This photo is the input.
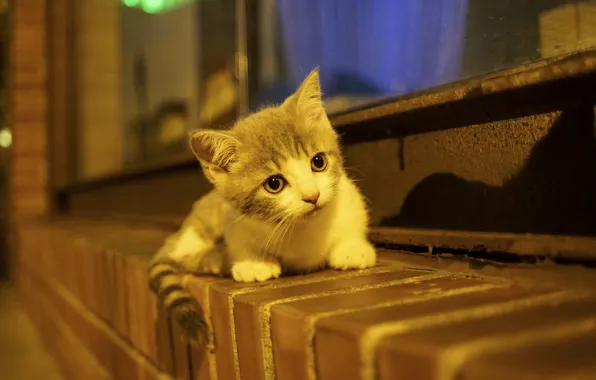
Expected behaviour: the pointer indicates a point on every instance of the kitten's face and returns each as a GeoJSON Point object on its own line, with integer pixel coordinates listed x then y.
{"type": "Point", "coordinates": [280, 163]}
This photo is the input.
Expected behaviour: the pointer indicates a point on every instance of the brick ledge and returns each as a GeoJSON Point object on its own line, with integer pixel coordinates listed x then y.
{"type": "Point", "coordinates": [398, 318]}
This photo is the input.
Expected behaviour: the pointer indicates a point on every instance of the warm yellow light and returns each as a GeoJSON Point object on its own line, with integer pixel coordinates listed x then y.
{"type": "Point", "coordinates": [5, 138]}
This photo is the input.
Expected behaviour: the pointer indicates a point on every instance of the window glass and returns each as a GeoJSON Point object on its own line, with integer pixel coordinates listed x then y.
{"type": "Point", "coordinates": [369, 51]}
{"type": "Point", "coordinates": [149, 71]}
{"type": "Point", "coordinates": [144, 69]}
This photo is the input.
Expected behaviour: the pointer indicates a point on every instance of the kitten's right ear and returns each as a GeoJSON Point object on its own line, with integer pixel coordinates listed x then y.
{"type": "Point", "coordinates": [216, 151]}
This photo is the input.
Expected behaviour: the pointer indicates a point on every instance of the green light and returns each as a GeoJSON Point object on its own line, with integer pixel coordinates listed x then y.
{"type": "Point", "coordinates": [154, 6]}
{"type": "Point", "coordinates": [131, 3]}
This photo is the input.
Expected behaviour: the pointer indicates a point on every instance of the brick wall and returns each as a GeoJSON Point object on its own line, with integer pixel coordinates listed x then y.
{"type": "Point", "coordinates": [28, 112]}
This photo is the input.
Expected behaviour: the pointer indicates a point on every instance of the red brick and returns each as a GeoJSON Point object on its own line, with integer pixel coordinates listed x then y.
{"type": "Point", "coordinates": [292, 322]}
{"type": "Point", "coordinates": [569, 355]}
{"type": "Point", "coordinates": [120, 309]}
{"type": "Point", "coordinates": [29, 204]}
{"type": "Point", "coordinates": [65, 264]}
{"type": "Point", "coordinates": [222, 310]}
{"type": "Point", "coordinates": [103, 286]}
{"type": "Point", "coordinates": [347, 331]}
{"type": "Point", "coordinates": [29, 105]}
{"type": "Point", "coordinates": [165, 349]}
{"type": "Point", "coordinates": [252, 311]}
{"type": "Point", "coordinates": [86, 276]}
{"type": "Point", "coordinates": [142, 306]}
{"type": "Point", "coordinates": [110, 351]}
{"type": "Point", "coordinates": [30, 173]}
{"type": "Point", "coordinates": [132, 290]}
{"type": "Point", "coordinates": [203, 361]}
{"type": "Point", "coordinates": [182, 370]}
{"type": "Point", "coordinates": [442, 350]}
{"type": "Point", "coordinates": [27, 73]}
{"type": "Point", "coordinates": [110, 289]}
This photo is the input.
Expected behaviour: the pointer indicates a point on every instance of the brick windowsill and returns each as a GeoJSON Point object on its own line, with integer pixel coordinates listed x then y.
{"type": "Point", "coordinates": [409, 316]}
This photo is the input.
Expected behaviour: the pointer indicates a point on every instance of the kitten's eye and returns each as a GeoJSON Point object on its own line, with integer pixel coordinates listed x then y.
{"type": "Point", "coordinates": [318, 162]}
{"type": "Point", "coordinates": [274, 184]}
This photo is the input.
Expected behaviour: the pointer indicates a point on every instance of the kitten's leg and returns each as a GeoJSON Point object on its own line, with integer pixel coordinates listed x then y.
{"type": "Point", "coordinates": [352, 250]}
{"type": "Point", "coordinates": [353, 253]}
{"type": "Point", "coordinates": [246, 264]}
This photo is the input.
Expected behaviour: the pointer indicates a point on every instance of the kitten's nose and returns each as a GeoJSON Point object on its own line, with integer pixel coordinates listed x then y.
{"type": "Point", "coordinates": [311, 198]}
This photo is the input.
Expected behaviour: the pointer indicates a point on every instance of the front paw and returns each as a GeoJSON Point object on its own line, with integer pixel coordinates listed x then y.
{"type": "Point", "coordinates": [353, 254]}
{"type": "Point", "coordinates": [251, 271]}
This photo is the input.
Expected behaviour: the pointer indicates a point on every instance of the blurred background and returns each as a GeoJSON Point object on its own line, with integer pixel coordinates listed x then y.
{"type": "Point", "coordinates": [148, 71]}
{"type": "Point", "coordinates": [144, 73]}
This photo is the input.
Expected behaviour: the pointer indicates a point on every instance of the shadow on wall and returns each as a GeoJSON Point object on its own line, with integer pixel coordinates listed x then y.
{"type": "Point", "coordinates": [553, 193]}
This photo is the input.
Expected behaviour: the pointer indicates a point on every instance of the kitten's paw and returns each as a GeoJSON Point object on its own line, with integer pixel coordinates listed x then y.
{"type": "Point", "coordinates": [353, 254]}
{"type": "Point", "coordinates": [251, 271]}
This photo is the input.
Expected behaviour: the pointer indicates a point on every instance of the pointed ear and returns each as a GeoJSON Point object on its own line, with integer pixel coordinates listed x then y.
{"type": "Point", "coordinates": [308, 99]}
{"type": "Point", "coordinates": [216, 151]}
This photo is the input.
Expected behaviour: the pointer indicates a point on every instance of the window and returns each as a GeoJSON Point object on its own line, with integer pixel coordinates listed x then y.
{"type": "Point", "coordinates": [146, 72]}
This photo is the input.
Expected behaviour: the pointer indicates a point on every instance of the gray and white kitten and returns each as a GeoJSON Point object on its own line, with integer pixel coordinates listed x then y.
{"type": "Point", "coordinates": [282, 202]}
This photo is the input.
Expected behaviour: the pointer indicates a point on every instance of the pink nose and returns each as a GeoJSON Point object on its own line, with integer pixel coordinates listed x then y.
{"type": "Point", "coordinates": [311, 198]}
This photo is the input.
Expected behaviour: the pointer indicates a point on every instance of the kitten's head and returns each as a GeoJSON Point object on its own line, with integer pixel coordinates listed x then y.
{"type": "Point", "coordinates": [279, 163]}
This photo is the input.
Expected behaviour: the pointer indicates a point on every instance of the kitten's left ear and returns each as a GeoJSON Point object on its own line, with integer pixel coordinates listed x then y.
{"type": "Point", "coordinates": [308, 99]}
{"type": "Point", "coordinates": [216, 151]}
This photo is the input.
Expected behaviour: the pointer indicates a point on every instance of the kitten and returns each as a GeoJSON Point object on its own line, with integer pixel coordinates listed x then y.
{"type": "Point", "coordinates": [282, 202]}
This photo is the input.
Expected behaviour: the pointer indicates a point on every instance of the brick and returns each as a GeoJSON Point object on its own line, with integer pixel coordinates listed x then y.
{"type": "Point", "coordinates": [569, 355]}
{"type": "Point", "coordinates": [222, 310]}
{"type": "Point", "coordinates": [29, 204]}
{"type": "Point", "coordinates": [103, 286]}
{"type": "Point", "coordinates": [199, 362]}
{"type": "Point", "coordinates": [29, 237]}
{"type": "Point", "coordinates": [203, 360]}
{"type": "Point", "coordinates": [181, 350]}
{"type": "Point", "coordinates": [144, 302]}
{"type": "Point", "coordinates": [111, 290]}
{"type": "Point", "coordinates": [120, 309]}
{"type": "Point", "coordinates": [360, 332]}
{"type": "Point", "coordinates": [165, 353]}
{"type": "Point", "coordinates": [110, 350]}
{"type": "Point", "coordinates": [27, 73]}
{"type": "Point", "coordinates": [51, 256]}
{"type": "Point", "coordinates": [292, 323]}
{"type": "Point", "coordinates": [87, 276]}
{"type": "Point", "coordinates": [252, 314]}
{"type": "Point", "coordinates": [132, 290]}
{"type": "Point", "coordinates": [31, 173]}
{"type": "Point", "coordinates": [43, 249]}
{"type": "Point", "coordinates": [65, 264]}
{"type": "Point", "coordinates": [27, 100]}
{"type": "Point", "coordinates": [30, 15]}
{"type": "Point", "coordinates": [29, 105]}
{"type": "Point", "coordinates": [442, 350]}
{"type": "Point", "coordinates": [78, 280]}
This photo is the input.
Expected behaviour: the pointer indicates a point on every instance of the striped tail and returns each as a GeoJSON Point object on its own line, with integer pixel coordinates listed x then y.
{"type": "Point", "coordinates": [166, 280]}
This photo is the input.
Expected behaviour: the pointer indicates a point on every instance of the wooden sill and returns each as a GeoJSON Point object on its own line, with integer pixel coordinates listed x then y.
{"type": "Point", "coordinates": [399, 319]}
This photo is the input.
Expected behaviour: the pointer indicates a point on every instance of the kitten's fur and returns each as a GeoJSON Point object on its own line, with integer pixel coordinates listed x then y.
{"type": "Point", "coordinates": [266, 234]}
